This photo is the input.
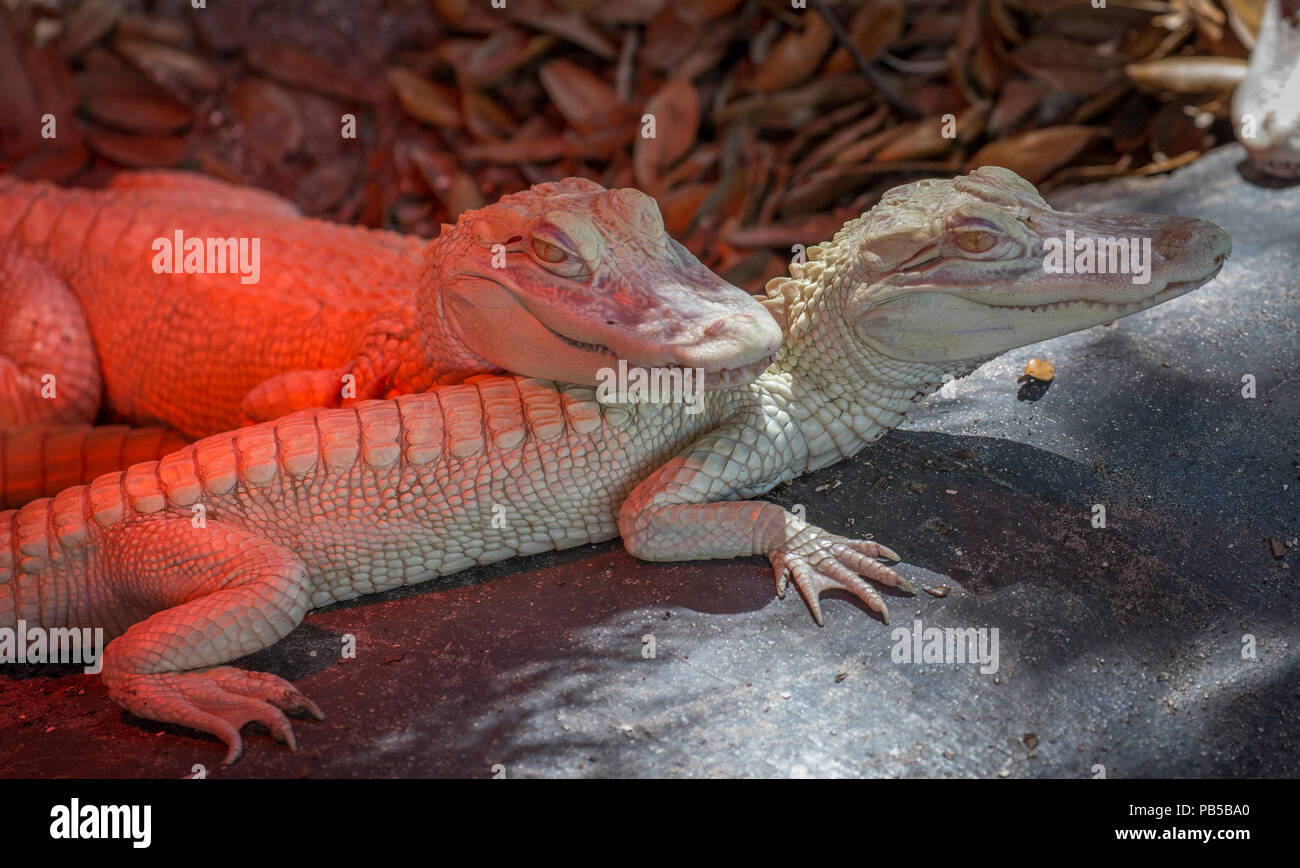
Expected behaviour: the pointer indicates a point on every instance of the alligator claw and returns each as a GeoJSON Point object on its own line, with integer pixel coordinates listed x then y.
{"type": "Point", "coordinates": [219, 701]}
{"type": "Point", "coordinates": [887, 552]}
{"type": "Point", "coordinates": [818, 561]}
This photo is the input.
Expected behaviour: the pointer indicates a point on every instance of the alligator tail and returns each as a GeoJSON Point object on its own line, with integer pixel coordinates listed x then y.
{"type": "Point", "coordinates": [42, 460]}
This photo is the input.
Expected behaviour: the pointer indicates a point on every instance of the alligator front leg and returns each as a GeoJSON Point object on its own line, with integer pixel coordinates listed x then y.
{"type": "Point", "coordinates": [369, 375]}
{"type": "Point", "coordinates": [293, 391]}
{"type": "Point", "coordinates": [218, 593]}
{"type": "Point", "coordinates": [49, 369]}
{"type": "Point", "coordinates": [681, 513]}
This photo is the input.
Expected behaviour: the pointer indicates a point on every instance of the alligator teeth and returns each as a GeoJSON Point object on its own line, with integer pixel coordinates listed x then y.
{"type": "Point", "coordinates": [591, 348]}
{"type": "Point", "coordinates": [1177, 286]}
{"type": "Point", "coordinates": [729, 377]}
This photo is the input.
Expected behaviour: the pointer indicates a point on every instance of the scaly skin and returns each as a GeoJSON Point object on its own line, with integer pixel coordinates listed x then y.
{"type": "Point", "coordinates": [586, 277]}
{"type": "Point", "coordinates": [1270, 94]}
{"type": "Point", "coordinates": [327, 505]}
{"type": "Point", "coordinates": [38, 459]}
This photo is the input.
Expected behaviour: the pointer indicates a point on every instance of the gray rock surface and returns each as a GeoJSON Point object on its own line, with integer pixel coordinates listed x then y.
{"type": "Point", "coordinates": [1119, 647]}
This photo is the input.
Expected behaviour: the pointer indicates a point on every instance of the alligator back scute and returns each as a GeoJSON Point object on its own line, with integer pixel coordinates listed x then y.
{"type": "Point", "coordinates": [503, 413]}
{"type": "Point", "coordinates": [543, 408]}
{"type": "Point", "coordinates": [299, 440]}
{"type": "Point", "coordinates": [258, 458]}
{"type": "Point", "coordinates": [462, 419]}
{"type": "Point", "coordinates": [422, 428]}
{"type": "Point", "coordinates": [381, 433]}
{"type": "Point", "coordinates": [581, 410]}
{"type": "Point", "coordinates": [179, 478]}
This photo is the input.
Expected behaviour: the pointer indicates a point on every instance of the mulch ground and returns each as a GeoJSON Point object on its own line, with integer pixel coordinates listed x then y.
{"type": "Point", "coordinates": [755, 125]}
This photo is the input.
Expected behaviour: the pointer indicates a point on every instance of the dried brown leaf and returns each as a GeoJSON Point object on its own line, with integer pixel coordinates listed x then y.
{"type": "Point", "coordinates": [696, 163]}
{"type": "Point", "coordinates": [875, 25]}
{"type": "Point", "coordinates": [794, 108]}
{"type": "Point", "coordinates": [228, 31]}
{"type": "Point", "coordinates": [932, 136]}
{"type": "Point", "coordinates": [622, 12]}
{"type": "Point", "coordinates": [52, 83]}
{"type": "Point", "coordinates": [581, 96]}
{"type": "Point", "coordinates": [87, 24]}
{"type": "Point", "coordinates": [680, 205]}
{"type": "Point", "coordinates": [424, 100]}
{"type": "Point", "coordinates": [1189, 74]}
{"type": "Point", "coordinates": [324, 187]}
{"type": "Point", "coordinates": [823, 188]}
{"type": "Point", "coordinates": [988, 66]}
{"type": "Point", "coordinates": [796, 56]}
{"type": "Point", "coordinates": [671, 41]}
{"type": "Point", "coordinates": [702, 11]}
{"type": "Point", "coordinates": [451, 10]}
{"type": "Point", "coordinates": [1075, 69]}
{"type": "Point", "coordinates": [291, 65]}
{"type": "Point", "coordinates": [752, 272]}
{"type": "Point", "coordinates": [164, 30]}
{"type": "Point", "coordinates": [461, 195]}
{"type": "Point", "coordinates": [1174, 131]}
{"type": "Point", "coordinates": [1017, 99]}
{"type": "Point", "coordinates": [170, 67]}
{"type": "Point", "coordinates": [567, 25]}
{"type": "Point", "coordinates": [19, 119]}
{"type": "Point", "coordinates": [53, 165]}
{"type": "Point", "coordinates": [1244, 17]}
{"type": "Point", "coordinates": [1036, 154]}
{"type": "Point", "coordinates": [806, 230]}
{"type": "Point", "coordinates": [916, 140]}
{"type": "Point", "coordinates": [486, 120]}
{"type": "Point", "coordinates": [138, 152]}
{"type": "Point", "coordinates": [545, 149]}
{"type": "Point", "coordinates": [487, 61]}
{"type": "Point", "coordinates": [120, 97]}
{"type": "Point", "coordinates": [838, 142]}
{"type": "Point", "coordinates": [676, 117]}
{"type": "Point", "coordinates": [865, 149]}
{"type": "Point", "coordinates": [1102, 104]}
{"type": "Point", "coordinates": [1080, 23]}
{"type": "Point", "coordinates": [270, 118]}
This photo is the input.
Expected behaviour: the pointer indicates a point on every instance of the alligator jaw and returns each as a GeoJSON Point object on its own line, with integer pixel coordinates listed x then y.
{"type": "Point", "coordinates": [956, 306]}
{"type": "Point", "coordinates": [730, 339]}
{"type": "Point", "coordinates": [715, 378]}
{"type": "Point", "coordinates": [743, 364]}
{"type": "Point", "coordinates": [565, 281]}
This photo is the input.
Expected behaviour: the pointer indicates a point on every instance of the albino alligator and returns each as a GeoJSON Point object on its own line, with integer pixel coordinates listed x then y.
{"type": "Point", "coordinates": [584, 277]}
{"type": "Point", "coordinates": [1266, 106]}
{"type": "Point", "coordinates": [327, 505]}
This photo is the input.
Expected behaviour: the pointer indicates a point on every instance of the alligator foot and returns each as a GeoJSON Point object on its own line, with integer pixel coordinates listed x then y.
{"type": "Point", "coordinates": [219, 701]}
{"type": "Point", "coordinates": [817, 560]}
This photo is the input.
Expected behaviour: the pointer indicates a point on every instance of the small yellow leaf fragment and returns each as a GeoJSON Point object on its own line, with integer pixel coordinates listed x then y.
{"type": "Point", "coordinates": [1040, 369]}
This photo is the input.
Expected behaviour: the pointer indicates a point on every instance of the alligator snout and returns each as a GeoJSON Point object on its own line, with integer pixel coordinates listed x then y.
{"type": "Point", "coordinates": [738, 341]}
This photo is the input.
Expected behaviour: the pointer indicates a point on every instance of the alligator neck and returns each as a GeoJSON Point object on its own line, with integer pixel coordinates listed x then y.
{"type": "Point", "coordinates": [846, 393]}
{"type": "Point", "coordinates": [438, 347]}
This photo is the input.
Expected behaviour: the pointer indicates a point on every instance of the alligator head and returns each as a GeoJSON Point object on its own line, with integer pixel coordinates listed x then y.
{"type": "Point", "coordinates": [567, 278]}
{"type": "Point", "coordinates": [1266, 106]}
{"type": "Point", "coordinates": [944, 274]}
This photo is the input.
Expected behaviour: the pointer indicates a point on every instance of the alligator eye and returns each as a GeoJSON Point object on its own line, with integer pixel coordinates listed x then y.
{"type": "Point", "coordinates": [548, 252]}
{"type": "Point", "coordinates": [975, 240]}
